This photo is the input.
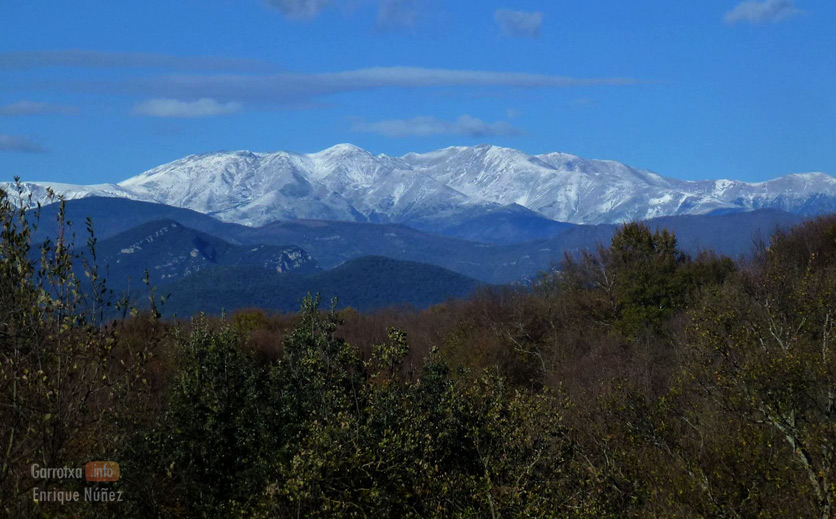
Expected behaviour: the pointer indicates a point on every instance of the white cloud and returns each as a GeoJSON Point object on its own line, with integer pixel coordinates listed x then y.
{"type": "Point", "coordinates": [429, 126]}
{"type": "Point", "coordinates": [19, 143]}
{"type": "Point", "coordinates": [519, 23]}
{"type": "Point", "coordinates": [765, 11]}
{"type": "Point", "coordinates": [97, 59]}
{"type": "Point", "coordinates": [205, 107]}
{"type": "Point", "coordinates": [34, 108]}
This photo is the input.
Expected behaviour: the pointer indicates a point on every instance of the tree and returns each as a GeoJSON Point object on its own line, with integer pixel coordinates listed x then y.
{"type": "Point", "coordinates": [65, 381]}
{"type": "Point", "coordinates": [641, 280]}
{"type": "Point", "coordinates": [764, 349]}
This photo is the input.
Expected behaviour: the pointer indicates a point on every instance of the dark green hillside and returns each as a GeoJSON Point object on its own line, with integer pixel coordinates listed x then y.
{"type": "Point", "coordinates": [333, 243]}
{"type": "Point", "coordinates": [170, 251]}
{"type": "Point", "coordinates": [365, 284]}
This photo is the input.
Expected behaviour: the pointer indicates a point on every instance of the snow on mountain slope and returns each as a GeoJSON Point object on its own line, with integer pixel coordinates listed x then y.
{"type": "Point", "coordinates": [243, 187]}
{"type": "Point", "coordinates": [40, 193]}
{"type": "Point", "coordinates": [801, 193]}
{"type": "Point", "coordinates": [559, 186]}
{"type": "Point", "coordinates": [348, 183]}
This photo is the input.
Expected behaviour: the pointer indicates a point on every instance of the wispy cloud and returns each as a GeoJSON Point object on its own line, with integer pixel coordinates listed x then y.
{"type": "Point", "coordinates": [76, 58]}
{"type": "Point", "coordinates": [398, 13]}
{"type": "Point", "coordinates": [19, 144]}
{"type": "Point", "coordinates": [292, 89]}
{"type": "Point", "coordinates": [428, 126]}
{"type": "Point", "coordinates": [519, 23]}
{"type": "Point", "coordinates": [175, 108]}
{"type": "Point", "coordinates": [35, 108]}
{"type": "Point", "coordinates": [759, 12]}
{"type": "Point", "coordinates": [390, 13]}
{"type": "Point", "coordinates": [295, 88]}
{"type": "Point", "coordinates": [300, 9]}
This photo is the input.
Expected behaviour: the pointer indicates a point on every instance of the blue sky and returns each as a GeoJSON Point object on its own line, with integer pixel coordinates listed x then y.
{"type": "Point", "coordinates": [100, 91]}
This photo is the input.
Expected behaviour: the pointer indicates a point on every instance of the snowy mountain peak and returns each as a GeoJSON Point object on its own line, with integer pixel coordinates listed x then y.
{"type": "Point", "coordinates": [346, 182]}
{"type": "Point", "coordinates": [342, 149]}
{"type": "Point", "coordinates": [814, 176]}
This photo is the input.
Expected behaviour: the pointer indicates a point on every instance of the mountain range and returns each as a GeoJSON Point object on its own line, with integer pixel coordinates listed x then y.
{"type": "Point", "coordinates": [227, 230]}
{"type": "Point", "coordinates": [166, 251]}
{"type": "Point", "coordinates": [451, 191]}
{"type": "Point", "coordinates": [198, 272]}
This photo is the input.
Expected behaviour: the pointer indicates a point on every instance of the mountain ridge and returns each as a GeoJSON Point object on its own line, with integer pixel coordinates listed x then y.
{"type": "Point", "coordinates": [170, 251]}
{"type": "Point", "coordinates": [364, 283]}
{"type": "Point", "coordinates": [439, 189]}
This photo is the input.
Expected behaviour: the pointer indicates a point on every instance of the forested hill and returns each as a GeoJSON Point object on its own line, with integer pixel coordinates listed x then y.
{"type": "Point", "coordinates": [366, 283]}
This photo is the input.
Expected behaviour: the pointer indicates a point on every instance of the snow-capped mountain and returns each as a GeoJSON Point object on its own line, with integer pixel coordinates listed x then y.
{"type": "Point", "coordinates": [348, 183]}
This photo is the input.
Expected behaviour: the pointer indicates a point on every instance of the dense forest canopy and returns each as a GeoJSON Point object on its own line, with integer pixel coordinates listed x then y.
{"type": "Point", "coordinates": [633, 381]}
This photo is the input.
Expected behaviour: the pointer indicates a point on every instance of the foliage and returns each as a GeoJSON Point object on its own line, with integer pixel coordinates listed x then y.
{"type": "Point", "coordinates": [765, 352]}
{"type": "Point", "coordinates": [321, 433]}
{"type": "Point", "coordinates": [642, 279]}
{"type": "Point", "coordinates": [66, 383]}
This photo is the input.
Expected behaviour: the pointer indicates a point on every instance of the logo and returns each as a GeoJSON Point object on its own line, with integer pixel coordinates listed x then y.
{"type": "Point", "coordinates": [101, 471]}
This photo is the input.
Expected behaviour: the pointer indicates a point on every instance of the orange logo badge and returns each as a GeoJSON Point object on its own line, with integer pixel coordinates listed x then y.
{"type": "Point", "coordinates": [101, 471]}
